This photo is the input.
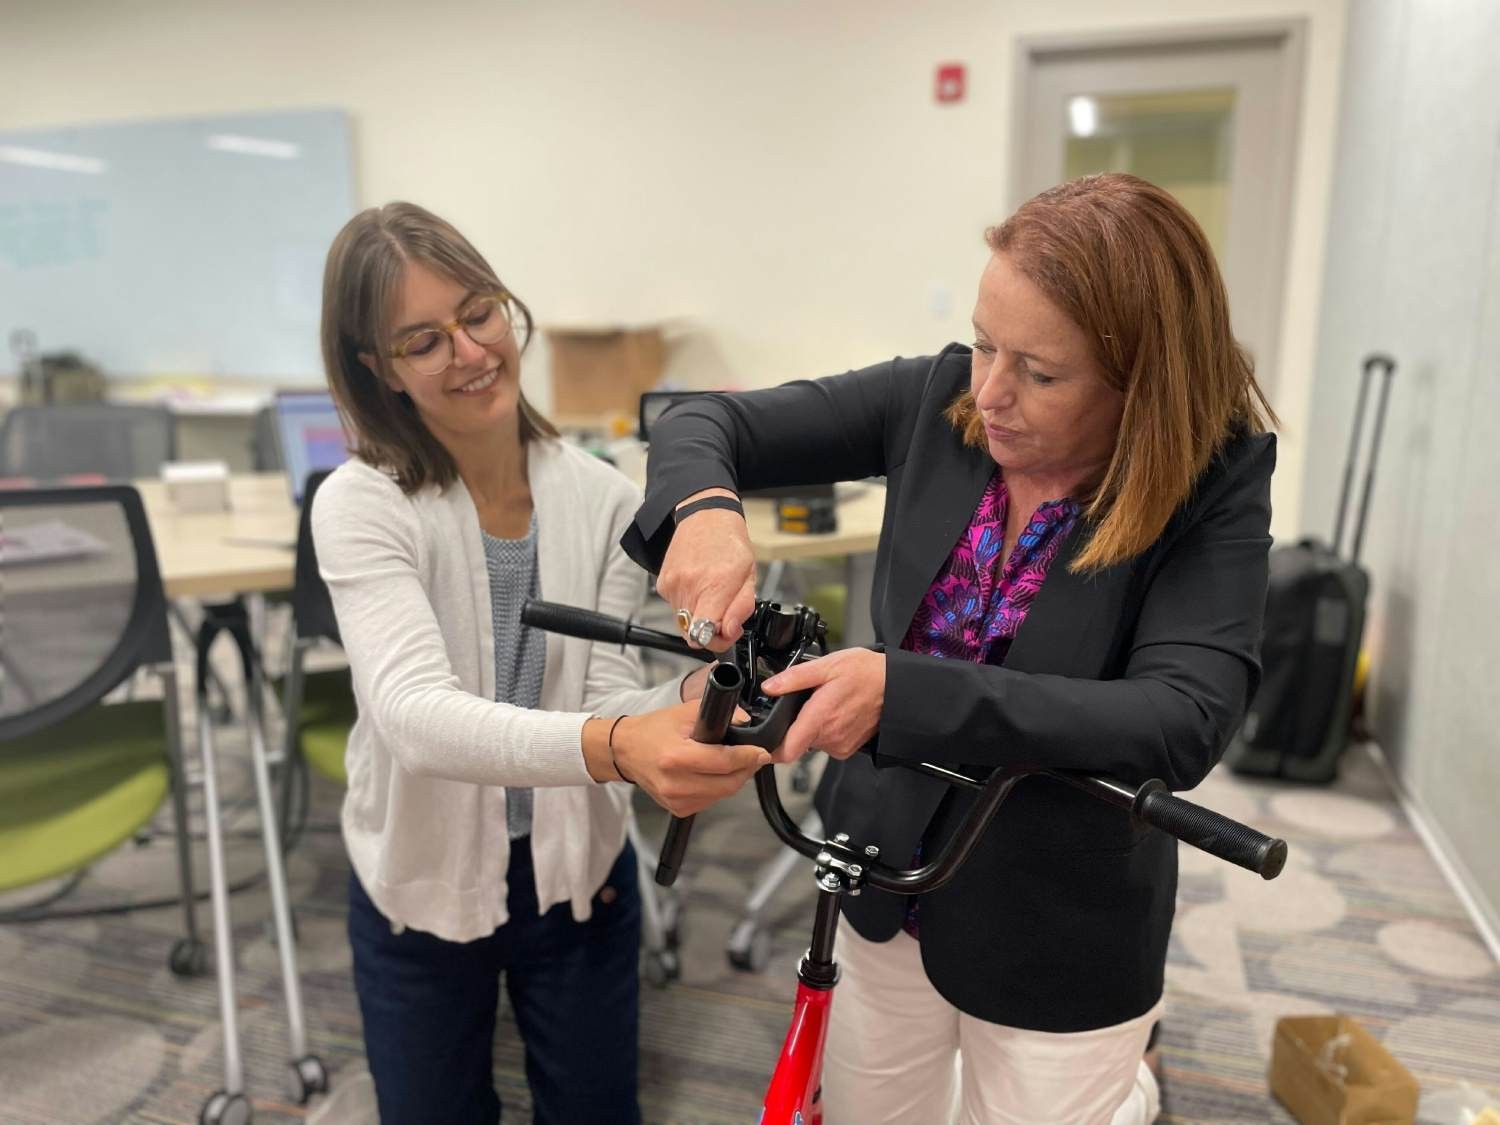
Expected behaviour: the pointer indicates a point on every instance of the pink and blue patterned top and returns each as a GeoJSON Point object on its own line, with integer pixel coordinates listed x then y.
{"type": "Point", "coordinates": [975, 603]}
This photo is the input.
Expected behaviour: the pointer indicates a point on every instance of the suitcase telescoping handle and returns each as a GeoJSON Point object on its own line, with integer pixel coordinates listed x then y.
{"type": "Point", "coordinates": [1388, 366]}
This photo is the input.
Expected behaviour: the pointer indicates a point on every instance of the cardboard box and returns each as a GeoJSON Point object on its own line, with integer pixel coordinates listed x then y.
{"type": "Point", "coordinates": [602, 371]}
{"type": "Point", "coordinates": [1328, 1070]}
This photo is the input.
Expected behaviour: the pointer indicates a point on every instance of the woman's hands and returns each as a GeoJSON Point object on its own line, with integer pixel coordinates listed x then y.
{"type": "Point", "coordinates": [709, 569]}
{"type": "Point", "coordinates": [844, 711]}
{"type": "Point", "coordinates": [657, 752]}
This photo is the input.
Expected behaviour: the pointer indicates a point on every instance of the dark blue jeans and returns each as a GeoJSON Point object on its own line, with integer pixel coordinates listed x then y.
{"type": "Point", "coordinates": [429, 1006]}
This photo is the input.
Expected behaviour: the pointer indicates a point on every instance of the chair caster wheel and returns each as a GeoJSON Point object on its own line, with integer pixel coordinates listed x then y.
{"type": "Point", "coordinates": [189, 958]}
{"type": "Point", "coordinates": [225, 1109]}
{"type": "Point", "coordinates": [663, 968]}
{"type": "Point", "coordinates": [750, 952]}
{"type": "Point", "coordinates": [308, 1077]}
{"type": "Point", "coordinates": [672, 936]}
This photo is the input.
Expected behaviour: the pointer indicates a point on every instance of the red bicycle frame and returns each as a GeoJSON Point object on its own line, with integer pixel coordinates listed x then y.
{"type": "Point", "coordinates": [793, 1094]}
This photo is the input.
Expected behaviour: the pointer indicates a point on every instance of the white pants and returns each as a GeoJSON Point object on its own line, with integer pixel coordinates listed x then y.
{"type": "Point", "coordinates": [899, 1053]}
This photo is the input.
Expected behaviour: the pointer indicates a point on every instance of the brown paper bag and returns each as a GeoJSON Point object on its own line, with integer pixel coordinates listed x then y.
{"type": "Point", "coordinates": [1328, 1070]}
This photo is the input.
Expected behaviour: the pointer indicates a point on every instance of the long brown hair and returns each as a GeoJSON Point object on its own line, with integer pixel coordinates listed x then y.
{"type": "Point", "coordinates": [360, 281]}
{"type": "Point", "coordinates": [1128, 265]}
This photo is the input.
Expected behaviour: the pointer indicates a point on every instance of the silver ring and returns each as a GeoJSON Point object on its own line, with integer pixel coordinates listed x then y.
{"type": "Point", "coordinates": [702, 631]}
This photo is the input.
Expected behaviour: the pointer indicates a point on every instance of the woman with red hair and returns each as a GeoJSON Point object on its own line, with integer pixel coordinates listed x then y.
{"type": "Point", "coordinates": [1071, 574]}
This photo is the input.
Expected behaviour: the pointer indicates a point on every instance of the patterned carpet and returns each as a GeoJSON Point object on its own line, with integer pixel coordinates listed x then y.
{"type": "Point", "coordinates": [94, 1028]}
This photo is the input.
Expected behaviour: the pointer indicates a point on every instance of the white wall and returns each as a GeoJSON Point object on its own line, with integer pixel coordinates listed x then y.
{"type": "Point", "coordinates": [1414, 269]}
{"type": "Point", "coordinates": [777, 171]}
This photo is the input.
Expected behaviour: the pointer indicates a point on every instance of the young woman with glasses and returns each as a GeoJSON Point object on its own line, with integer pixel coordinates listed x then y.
{"type": "Point", "coordinates": [484, 836]}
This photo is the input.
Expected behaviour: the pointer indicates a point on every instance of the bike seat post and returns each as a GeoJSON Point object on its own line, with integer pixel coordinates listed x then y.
{"type": "Point", "coordinates": [840, 871]}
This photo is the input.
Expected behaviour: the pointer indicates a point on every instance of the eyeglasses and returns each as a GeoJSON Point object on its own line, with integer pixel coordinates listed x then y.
{"type": "Point", "coordinates": [485, 320]}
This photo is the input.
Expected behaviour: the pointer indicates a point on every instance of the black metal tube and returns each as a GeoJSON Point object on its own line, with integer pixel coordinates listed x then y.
{"type": "Point", "coordinates": [715, 713]}
{"type": "Point", "coordinates": [571, 621]}
{"type": "Point", "coordinates": [1105, 789]}
{"type": "Point", "coordinates": [1348, 481]}
{"type": "Point", "coordinates": [931, 876]}
{"type": "Point", "coordinates": [777, 817]}
{"type": "Point", "coordinates": [1369, 485]}
{"type": "Point", "coordinates": [942, 773]}
{"type": "Point", "coordinates": [721, 694]}
{"type": "Point", "coordinates": [825, 927]}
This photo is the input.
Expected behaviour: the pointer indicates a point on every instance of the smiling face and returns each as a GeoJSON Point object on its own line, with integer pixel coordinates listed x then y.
{"type": "Point", "coordinates": [479, 389]}
{"type": "Point", "coordinates": [1049, 413]}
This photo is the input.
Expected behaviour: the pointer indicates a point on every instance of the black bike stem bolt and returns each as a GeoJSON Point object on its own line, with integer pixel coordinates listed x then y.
{"type": "Point", "coordinates": [871, 850]}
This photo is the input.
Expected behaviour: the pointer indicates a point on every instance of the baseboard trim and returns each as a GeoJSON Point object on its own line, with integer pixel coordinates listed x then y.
{"type": "Point", "coordinates": [1484, 915]}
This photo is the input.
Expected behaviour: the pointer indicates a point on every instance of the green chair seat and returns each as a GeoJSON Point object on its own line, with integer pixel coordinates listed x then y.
{"type": "Point", "coordinates": [327, 714]}
{"type": "Point", "coordinates": [75, 791]}
{"type": "Point", "coordinates": [831, 600]}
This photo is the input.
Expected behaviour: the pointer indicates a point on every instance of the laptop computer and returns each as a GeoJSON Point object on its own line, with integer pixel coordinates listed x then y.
{"type": "Point", "coordinates": [310, 435]}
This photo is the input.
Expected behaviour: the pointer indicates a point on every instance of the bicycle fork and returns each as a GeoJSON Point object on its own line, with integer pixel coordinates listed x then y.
{"type": "Point", "coordinates": [794, 1096]}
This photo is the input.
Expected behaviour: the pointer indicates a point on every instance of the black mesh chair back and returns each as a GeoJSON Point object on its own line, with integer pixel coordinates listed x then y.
{"type": "Point", "coordinates": [312, 608]}
{"type": "Point", "coordinates": [81, 601]}
{"type": "Point", "coordinates": [265, 445]}
{"type": "Point", "coordinates": [113, 440]}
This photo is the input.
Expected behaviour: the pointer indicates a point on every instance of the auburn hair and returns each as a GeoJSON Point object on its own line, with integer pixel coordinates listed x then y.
{"type": "Point", "coordinates": [360, 282]}
{"type": "Point", "coordinates": [1128, 265]}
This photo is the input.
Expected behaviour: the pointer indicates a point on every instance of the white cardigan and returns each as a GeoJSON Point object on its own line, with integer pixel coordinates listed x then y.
{"type": "Point", "coordinates": [430, 753]}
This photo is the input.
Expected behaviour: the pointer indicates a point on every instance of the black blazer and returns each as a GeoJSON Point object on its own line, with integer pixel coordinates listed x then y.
{"type": "Point", "coordinates": [1059, 921]}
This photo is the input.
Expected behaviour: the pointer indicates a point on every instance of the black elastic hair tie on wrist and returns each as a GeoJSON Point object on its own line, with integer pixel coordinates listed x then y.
{"type": "Point", "coordinates": [686, 510]}
{"type": "Point", "coordinates": [610, 743]}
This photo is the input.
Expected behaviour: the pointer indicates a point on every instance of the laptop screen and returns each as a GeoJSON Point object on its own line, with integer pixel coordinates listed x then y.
{"type": "Point", "coordinates": [311, 436]}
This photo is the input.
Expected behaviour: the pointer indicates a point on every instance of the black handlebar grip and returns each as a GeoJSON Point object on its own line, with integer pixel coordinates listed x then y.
{"type": "Point", "coordinates": [1206, 829]}
{"type": "Point", "coordinates": [715, 713]}
{"type": "Point", "coordinates": [574, 622]}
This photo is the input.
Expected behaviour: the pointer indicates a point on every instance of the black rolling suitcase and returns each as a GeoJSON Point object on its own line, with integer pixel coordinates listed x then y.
{"type": "Point", "coordinates": [1298, 723]}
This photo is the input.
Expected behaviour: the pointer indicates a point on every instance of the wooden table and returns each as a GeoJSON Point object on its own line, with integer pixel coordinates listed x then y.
{"type": "Point", "coordinates": [250, 548]}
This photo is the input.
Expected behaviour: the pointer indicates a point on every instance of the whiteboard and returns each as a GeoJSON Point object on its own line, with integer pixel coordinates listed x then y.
{"type": "Point", "coordinates": [182, 247]}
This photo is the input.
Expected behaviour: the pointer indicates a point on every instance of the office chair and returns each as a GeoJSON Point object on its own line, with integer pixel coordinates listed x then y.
{"type": "Point", "coordinates": [113, 440]}
{"type": "Point", "coordinates": [83, 611]}
{"type": "Point", "coordinates": [265, 445]}
{"type": "Point", "coordinates": [318, 706]}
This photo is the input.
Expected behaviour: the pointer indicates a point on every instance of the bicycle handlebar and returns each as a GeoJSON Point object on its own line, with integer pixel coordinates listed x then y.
{"type": "Point", "coordinates": [573, 621]}
{"type": "Point", "coordinates": [1152, 802]}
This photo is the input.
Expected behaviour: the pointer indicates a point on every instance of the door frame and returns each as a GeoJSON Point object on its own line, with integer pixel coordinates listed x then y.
{"type": "Point", "coordinates": [1288, 35]}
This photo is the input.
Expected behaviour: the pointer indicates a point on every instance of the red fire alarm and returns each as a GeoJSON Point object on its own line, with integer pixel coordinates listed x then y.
{"type": "Point", "coordinates": [950, 82]}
